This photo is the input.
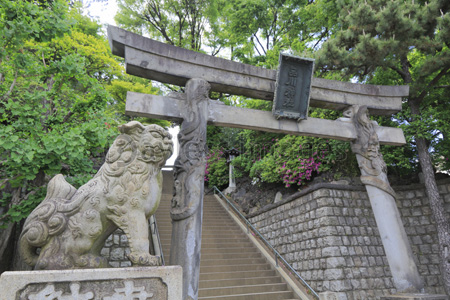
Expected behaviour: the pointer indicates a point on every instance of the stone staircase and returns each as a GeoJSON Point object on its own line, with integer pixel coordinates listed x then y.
{"type": "Point", "coordinates": [231, 267]}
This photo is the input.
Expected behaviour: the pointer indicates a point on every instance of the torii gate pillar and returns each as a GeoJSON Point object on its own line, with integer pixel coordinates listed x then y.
{"type": "Point", "coordinates": [187, 203]}
{"type": "Point", "coordinates": [382, 198]}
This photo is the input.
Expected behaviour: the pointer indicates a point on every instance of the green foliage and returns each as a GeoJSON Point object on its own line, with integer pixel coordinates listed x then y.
{"type": "Point", "coordinates": [257, 31]}
{"type": "Point", "coordinates": [21, 20]}
{"type": "Point", "coordinates": [179, 23]}
{"type": "Point", "coordinates": [52, 100]}
{"type": "Point", "coordinates": [18, 211]}
{"type": "Point", "coordinates": [395, 43]}
{"type": "Point", "coordinates": [216, 172]}
{"type": "Point", "coordinates": [294, 160]}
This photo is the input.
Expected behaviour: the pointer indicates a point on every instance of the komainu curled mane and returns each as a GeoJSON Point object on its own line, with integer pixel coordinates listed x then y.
{"type": "Point", "coordinates": [70, 226]}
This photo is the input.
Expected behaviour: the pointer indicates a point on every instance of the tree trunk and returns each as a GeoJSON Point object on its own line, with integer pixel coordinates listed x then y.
{"type": "Point", "coordinates": [18, 264]}
{"type": "Point", "coordinates": [5, 247]}
{"type": "Point", "coordinates": [436, 202]}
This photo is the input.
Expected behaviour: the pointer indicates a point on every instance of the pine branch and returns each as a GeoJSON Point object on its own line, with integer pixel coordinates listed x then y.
{"type": "Point", "coordinates": [399, 71]}
{"type": "Point", "coordinates": [322, 36]}
{"type": "Point", "coordinates": [430, 85]}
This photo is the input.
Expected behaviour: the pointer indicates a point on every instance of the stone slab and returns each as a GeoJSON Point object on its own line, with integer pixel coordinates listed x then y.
{"type": "Point", "coordinates": [153, 106]}
{"type": "Point", "coordinates": [151, 59]}
{"type": "Point", "coordinates": [332, 296]}
{"type": "Point", "coordinates": [161, 283]}
{"type": "Point", "coordinates": [415, 297]}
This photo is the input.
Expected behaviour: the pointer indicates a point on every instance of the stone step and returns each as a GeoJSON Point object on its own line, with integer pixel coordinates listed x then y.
{"type": "Point", "coordinates": [219, 231]}
{"type": "Point", "coordinates": [217, 240]}
{"type": "Point", "coordinates": [209, 215]}
{"type": "Point", "coordinates": [165, 234]}
{"type": "Point", "coordinates": [217, 252]}
{"type": "Point", "coordinates": [254, 296]}
{"type": "Point", "coordinates": [239, 281]}
{"type": "Point", "coordinates": [209, 252]}
{"type": "Point", "coordinates": [236, 268]}
{"type": "Point", "coordinates": [242, 289]}
{"type": "Point", "coordinates": [228, 250]}
{"type": "Point", "coordinates": [227, 234]}
{"type": "Point", "coordinates": [221, 224]}
{"type": "Point", "coordinates": [236, 275]}
{"type": "Point", "coordinates": [233, 245]}
{"type": "Point", "coordinates": [233, 261]}
{"type": "Point", "coordinates": [220, 256]}
{"type": "Point", "coordinates": [223, 228]}
{"type": "Point", "coordinates": [213, 224]}
{"type": "Point", "coordinates": [231, 256]}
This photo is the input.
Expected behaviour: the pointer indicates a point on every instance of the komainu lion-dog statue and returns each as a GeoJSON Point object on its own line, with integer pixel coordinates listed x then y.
{"type": "Point", "coordinates": [70, 226]}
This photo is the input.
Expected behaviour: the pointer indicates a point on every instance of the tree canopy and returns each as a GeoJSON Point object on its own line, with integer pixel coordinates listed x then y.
{"type": "Point", "coordinates": [61, 96]}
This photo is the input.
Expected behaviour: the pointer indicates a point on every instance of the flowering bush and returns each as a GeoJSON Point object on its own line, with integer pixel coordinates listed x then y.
{"type": "Point", "coordinates": [293, 160]}
{"type": "Point", "coordinates": [268, 157]}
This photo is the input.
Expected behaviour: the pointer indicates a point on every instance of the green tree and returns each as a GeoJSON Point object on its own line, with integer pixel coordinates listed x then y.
{"type": "Point", "coordinates": [257, 31]}
{"type": "Point", "coordinates": [178, 23]}
{"type": "Point", "coordinates": [53, 67]}
{"type": "Point", "coordinates": [410, 40]}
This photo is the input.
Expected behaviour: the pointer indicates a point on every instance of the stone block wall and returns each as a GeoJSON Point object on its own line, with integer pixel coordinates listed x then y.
{"type": "Point", "coordinates": [329, 235]}
{"type": "Point", "coordinates": [419, 224]}
{"type": "Point", "coordinates": [116, 250]}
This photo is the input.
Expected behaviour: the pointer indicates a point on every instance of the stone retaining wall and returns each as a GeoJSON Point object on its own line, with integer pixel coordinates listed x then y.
{"type": "Point", "coordinates": [329, 235]}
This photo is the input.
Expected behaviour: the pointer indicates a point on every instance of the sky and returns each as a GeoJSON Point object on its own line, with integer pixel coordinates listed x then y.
{"type": "Point", "coordinates": [104, 12]}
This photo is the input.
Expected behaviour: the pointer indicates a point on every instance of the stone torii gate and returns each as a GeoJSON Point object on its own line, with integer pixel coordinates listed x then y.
{"type": "Point", "coordinates": [200, 73]}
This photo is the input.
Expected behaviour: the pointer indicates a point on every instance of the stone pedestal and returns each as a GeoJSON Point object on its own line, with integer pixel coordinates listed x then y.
{"type": "Point", "coordinates": [97, 284]}
{"type": "Point", "coordinates": [229, 190]}
{"type": "Point", "coordinates": [415, 297]}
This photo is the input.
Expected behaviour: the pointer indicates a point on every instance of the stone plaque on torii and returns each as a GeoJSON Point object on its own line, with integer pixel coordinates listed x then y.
{"type": "Point", "coordinates": [200, 74]}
